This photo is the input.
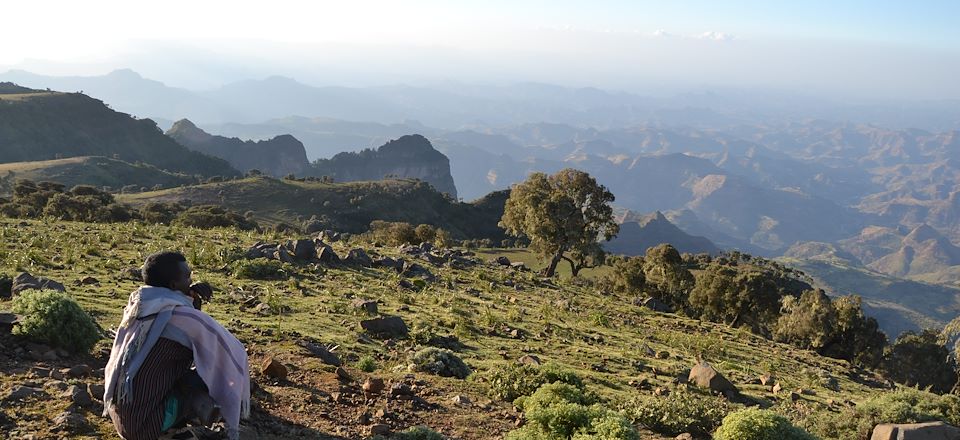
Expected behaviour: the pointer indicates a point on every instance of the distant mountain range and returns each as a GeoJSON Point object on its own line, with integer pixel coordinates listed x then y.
{"type": "Point", "coordinates": [454, 105]}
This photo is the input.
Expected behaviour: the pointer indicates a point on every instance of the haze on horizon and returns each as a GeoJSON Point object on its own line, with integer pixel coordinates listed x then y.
{"type": "Point", "coordinates": [844, 50]}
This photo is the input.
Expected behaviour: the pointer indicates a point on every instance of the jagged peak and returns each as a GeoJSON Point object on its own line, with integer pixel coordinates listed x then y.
{"type": "Point", "coordinates": [186, 129]}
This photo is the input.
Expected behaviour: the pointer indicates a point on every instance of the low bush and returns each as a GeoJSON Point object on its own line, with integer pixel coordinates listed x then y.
{"type": "Point", "coordinates": [211, 216]}
{"type": "Point", "coordinates": [55, 318]}
{"type": "Point", "coordinates": [901, 406]}
{"type": "Point", "coordinates": [367, 364]}
{"type": "Point", "coordinates": [678, 412]}
{"type": "Point", "coordinates": [562, 411]}
{"type": "Point", "coordinates": [441, 362]}
{"type": "Point", "coordinates": [759, 424]}
{"type": "Point", "coordinates": [419, 433]}
{"type": "Point", "coordinates": [512, 381]}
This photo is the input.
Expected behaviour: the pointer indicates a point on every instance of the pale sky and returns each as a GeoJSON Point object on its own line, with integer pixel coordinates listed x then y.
{"type": "Point", "coordinates": [889, 48]}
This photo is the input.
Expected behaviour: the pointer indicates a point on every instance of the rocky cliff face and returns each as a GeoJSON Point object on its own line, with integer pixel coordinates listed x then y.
{"type": "Point", "coordinates": [410, 156]}
{"type": "Point", "coordinates": [279, 156]}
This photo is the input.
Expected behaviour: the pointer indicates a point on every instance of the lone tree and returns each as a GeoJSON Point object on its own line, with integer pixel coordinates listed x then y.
{"type": "Point", "coordinates": [564, 216]}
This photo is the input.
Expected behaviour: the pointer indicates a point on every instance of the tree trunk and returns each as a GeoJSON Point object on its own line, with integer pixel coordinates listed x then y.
{"type": "Point", "coordinates": [551, 270]}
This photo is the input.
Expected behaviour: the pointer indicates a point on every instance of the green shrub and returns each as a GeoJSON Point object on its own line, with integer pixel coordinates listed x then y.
{"type": "Point", "coordinates": [759, 424]}
{"type": "Point", "coordinates": [212, 216]}
{"type": "Point", "coordinates": [679, 412]}
{"type": "Point", "coordinates": [441, 362]}
{"type": "Point", "coordinates": [55, 318]}
{"type": "Point", "coordinates": [259, 269]}
{"type": "Point", "coordinates": [563, 411]}
{"type": "Point", "coordinates": [515, 380]}
{"type": "Point", "coordinates": [367, 364]}
{"type": "Point", "coordinates": [902, 406]}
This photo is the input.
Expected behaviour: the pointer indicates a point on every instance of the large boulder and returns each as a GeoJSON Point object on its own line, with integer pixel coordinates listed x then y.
{"type": "Point", "coordinates": [7, 321]}
{"type": "Point", "coordinates": [303, 249]}
{"type": "Point", "coordinates": [358, 257]}
{"type": "Point", "coordinates": [326, 255]}
{"type": "Point", "coordinates": [25, 281]}
{"type": "Point", "coordinates": [705, 376]}
{"type": "Point", "coordinates": [916, 431]}
{"type": "Point", "coordinates": [656, 305]}
{"type": "Point", "coordinates": [391, 326]}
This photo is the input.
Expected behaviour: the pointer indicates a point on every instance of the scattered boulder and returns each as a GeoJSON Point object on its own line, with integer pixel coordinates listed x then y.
{"type": "Point", "coordinates": [77, 371]}
{"type": "Point", "coordinates": [96, 390]}
{"type": "Point", "coordinates": [529, 359]}
{"type": "Point", "coordinates": [78, 395]}
{"type": "Point", "coordinates": [131, 274]}
{"type": "Point", "coordinates": [461, 400]}
{"type": "Point", "coordinates": [391, 326]}
{"type": "Point", "coordinates": [261, 250]}
{"type": "Point", "coordinates": [519, 266]}
{"type": "Point", "coordinates": [705, 376]}
{"type": "Point", "coordinates": [325, 354]}
{"type": "Point", "coordinates": [380, 429]}
{"type": "Point", "coordinates": [330, 236]}
{"type": "Point", "coordinates": [767, 380]}
{"type": "Point", "coordinates": [326, 255]}
{"type": "Point", "coordinates": [283, 255]}
{"type": "Point", "coordinates": [273, 368]}
{"type": "Point", "coordinates": [302, 249]}
{"type": "Point", "coordinates": [656, 305]}
{"type": "Point", "coordinates": [916, 431]}
{"type": "Point", "coordinates": [387, 262]}
{"type": "Point", "coordinates": [503, 261]}
{"type": "Point", "coordinates": [70, 421]}
{"type": "Point", "coordinates": [88, 281]}
{"type": "Point", "coordinates": [368, 306]}
{"type": "Point", "coordinates": [25, 281]}
{"type": "Point", "coordinates": [21, 392]}
{"type": "Point", "coordinates": [7, 321]}
{"type": "Point", "coordinates": [358, 257]}
{"type": "Point", "coordinates": [373, 386]}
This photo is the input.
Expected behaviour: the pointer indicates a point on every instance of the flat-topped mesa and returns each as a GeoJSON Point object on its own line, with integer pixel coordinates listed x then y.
{"type": "Point", "coordinates": [280, 156]}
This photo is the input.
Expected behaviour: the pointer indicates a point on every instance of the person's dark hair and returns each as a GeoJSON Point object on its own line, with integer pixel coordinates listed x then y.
{"type": "Point", "coordinates": [162, 268]}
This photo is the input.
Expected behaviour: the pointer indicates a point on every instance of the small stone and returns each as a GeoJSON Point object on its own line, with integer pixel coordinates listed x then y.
{"type": "Point", "coordinates": [78, 396]}
{"type": "Point", "coordinates": [373, 385]}
{"type": "Point", "coordinates": [69, 421]}
{"type": "Point", "coordinates": [530, 359]}
{"type": "Point", "coordinates": [777, 388]}
{"type": "Point", "coordinates": [767, 380]}
{"type": "Point", "coordinates": [461, 400]}
{"type": "Point", "coordinates": [379, 429]}
{"type": "Point", "coordinates": [343, 375]}
{"type": "Point", "coordinates": [368, 306]}
{"type": "Point", "coordinates": [96, 390]}
{"type": "Point", "coordinates": [794, 396]}
{"type": "Point", "coordinates": [273, 368]}
{"type": "Point", "coordinates": [77, 371]}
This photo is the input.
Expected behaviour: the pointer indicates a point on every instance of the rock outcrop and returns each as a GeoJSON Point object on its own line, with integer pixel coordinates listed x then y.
{"type": "Point", "coordinates": [279, 156]}
{"type": "Point", "coordinates": [410, 156]}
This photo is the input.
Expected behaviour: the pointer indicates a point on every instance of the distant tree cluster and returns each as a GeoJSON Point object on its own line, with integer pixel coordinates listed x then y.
{"type": "Point", "coordinates": [86, 203]}
{"type": "Point", "coordinates": [400, 233]}
{"type": "Point", "coordinates": [761, 295]}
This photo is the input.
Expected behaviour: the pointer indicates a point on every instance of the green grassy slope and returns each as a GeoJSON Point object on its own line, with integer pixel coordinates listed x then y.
{"type": "Point", "coordinates": [96, 171]}
{"type": "Point", "coordinates": [43, 126]}
{"type": "Point", "coordinates": [603, 337]}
